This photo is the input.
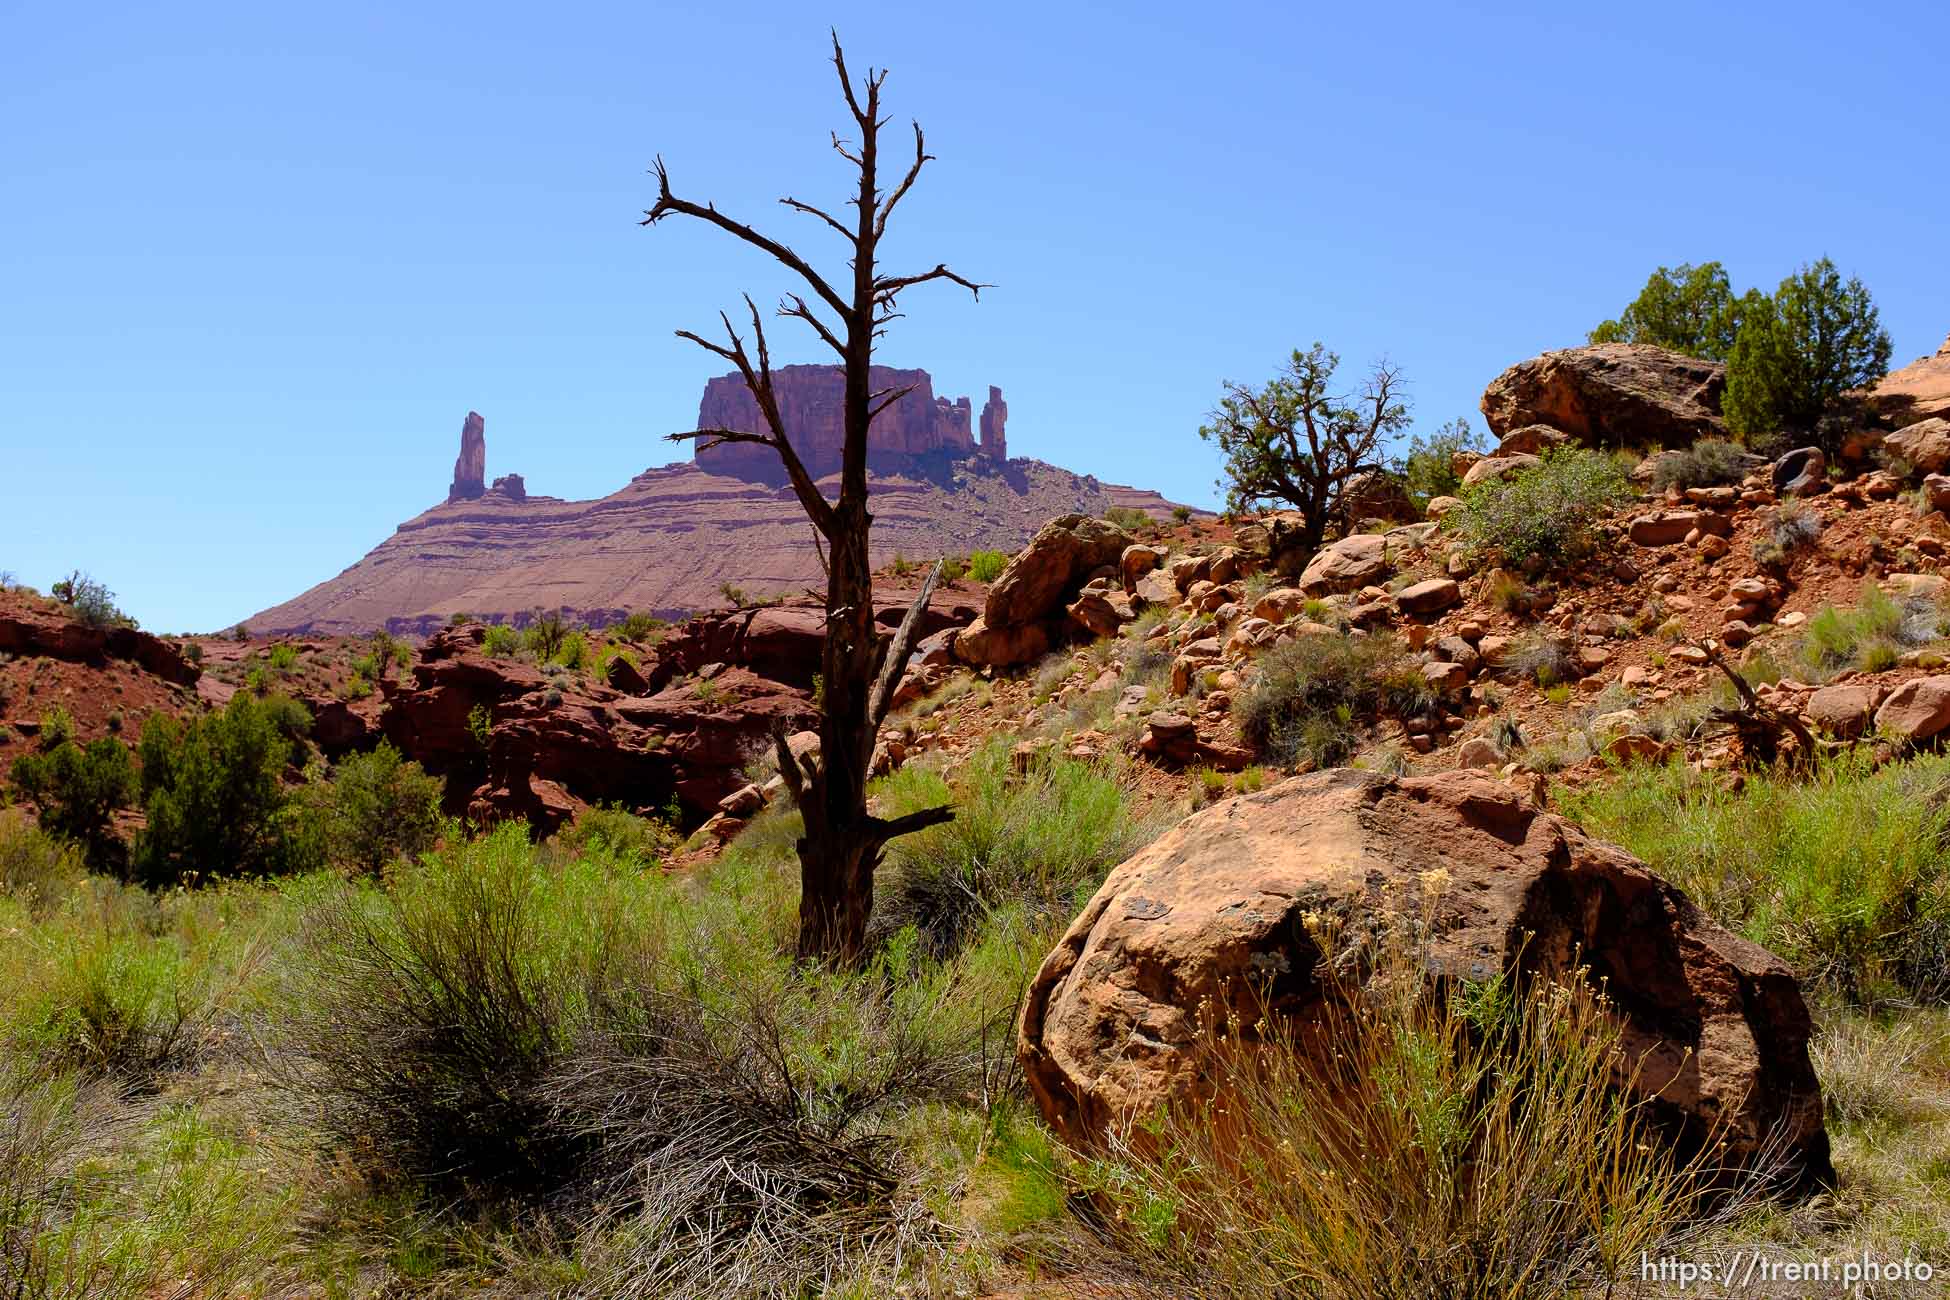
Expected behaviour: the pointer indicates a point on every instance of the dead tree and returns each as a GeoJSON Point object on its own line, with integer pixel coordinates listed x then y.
{"type": "Point", "coordinates": [860, 668]}
{"type": "Point", "coordinates": [1759, 727]}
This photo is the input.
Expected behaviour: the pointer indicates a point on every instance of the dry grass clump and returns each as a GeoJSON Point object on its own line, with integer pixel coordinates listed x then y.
{"type": "Point", "coordinates": [1313, 696]}
{"type": "Point", "coordinates": [1448, 1139]}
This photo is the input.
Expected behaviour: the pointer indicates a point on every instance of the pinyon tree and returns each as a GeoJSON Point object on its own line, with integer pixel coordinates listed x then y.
{"type": "Point", "coordinates": [1295, 442]}
{"type": "Point", "coordinates": [860, 666]}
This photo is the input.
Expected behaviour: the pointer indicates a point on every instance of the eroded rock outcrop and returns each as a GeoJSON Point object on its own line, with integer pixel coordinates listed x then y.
{"type": "Point", "coordinates": [1918, 391]}
{"type": "Point", "coordinates": [1611, 394]}
{"type": "Point", "coordinates": [1716, 1025]}
{"type": "Point", "coordinates": [1033, 589]}
{"type": "Point", "coordinates": [811, 400]}
{"type": "Point", "coordinates": [470, 467]}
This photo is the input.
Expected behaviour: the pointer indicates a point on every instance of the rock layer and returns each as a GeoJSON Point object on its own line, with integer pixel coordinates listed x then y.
{"type": "Point", "coordinates": [666, 543]}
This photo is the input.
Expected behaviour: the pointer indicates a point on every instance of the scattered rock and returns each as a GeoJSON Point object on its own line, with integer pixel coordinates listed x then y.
{"type": "Point", "coordinates": [1802, 472]}
{"type": "Point", "coordinates": [1346, 565]}
{"type": "Point", "coordinates": [1925, 444]}
{"type": "Point", "coordinates": [1428, 597]}
{"type": "Point", "coordinates": [1916, 710]}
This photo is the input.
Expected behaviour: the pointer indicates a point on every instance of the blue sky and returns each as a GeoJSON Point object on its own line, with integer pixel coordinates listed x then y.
{"type": "Point", "coordinates": [257, 261]}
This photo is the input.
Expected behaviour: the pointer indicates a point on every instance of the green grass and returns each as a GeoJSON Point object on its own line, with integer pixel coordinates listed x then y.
{"type": "Point", "coordinates": [1847, 876]}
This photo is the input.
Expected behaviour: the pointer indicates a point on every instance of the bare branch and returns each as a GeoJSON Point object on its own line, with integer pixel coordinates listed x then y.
{"type": "Point", "coordinates": [898, 652]}
{"type": "Point", "coordinates": [718, 437]}
{"type": "Point", "coordinates": [886, 829]}
{"type": "Point", "coordinates": [668, 203]}
{"type": "Point", "coordinates": [921, 155]}
{"type": "Point", "coordinates": [808, 208]}
{"type": "Point", "coordinates": [886, 287]}
{"type": "Point", "coordinates": [846, 83]}
{"type": "Point", "coordinates": [896, 396]}
{"type": "Point", "coordinates": [805, 313]}
{"type": "Point", "coordinates": [839, 147]}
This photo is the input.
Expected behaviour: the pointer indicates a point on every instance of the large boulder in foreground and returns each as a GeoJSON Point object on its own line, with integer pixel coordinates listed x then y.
{"type": "Point", "coordinates": [1717, 1024]}
{"type": "Point", "coordinates": [1610, 395]}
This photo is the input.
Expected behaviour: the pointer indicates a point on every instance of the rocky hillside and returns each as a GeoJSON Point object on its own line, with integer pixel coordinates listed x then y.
{"type": "Point", "coordinates": [670, 539]}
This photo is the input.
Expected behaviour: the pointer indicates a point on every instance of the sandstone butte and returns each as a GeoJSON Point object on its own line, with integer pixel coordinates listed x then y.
{"type": "Point", "coordinates": [665, 544]}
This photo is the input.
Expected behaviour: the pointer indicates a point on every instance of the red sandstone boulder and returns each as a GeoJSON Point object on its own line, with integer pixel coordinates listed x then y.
{"type": "Point", "coordinates": [1347, 565]}
{"type": "Point", "coordinates": [1716, 1025]}
{"type": "Point", "coordinates": [1611, 394]}
{"type": "Point", "coordinates": [1916, 710]}
{"type": "Point", "coordinates": [1925, 444]}
{"type": "Point", "coordinates": [1062, 554]}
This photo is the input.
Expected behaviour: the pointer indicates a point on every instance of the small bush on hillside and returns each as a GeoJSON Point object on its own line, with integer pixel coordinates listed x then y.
{"type": "Point", "coordinates": [1789, 527]}
{"type": "Point", "coordinates": [1314, 695]}
{"type": "Point", "coordinates": [1847, 877]}
{"type": "Point", "coordinates": [282, 658]}
{"type": "Point", "coordinates": [79, 791]}
{"type": "Point", "coordinates": [1541, 659]}
{"type": "Point", "coordinates": [1038, 842]}
{"type": "Point", "coordinates": [1130, 518]}
{"type": "Point", "coordinates": [1872, 636]}
{"type": "Point", "coordinates": [1710, 462]}
{"type": "Point", "coordinates": [92, 602]}
{"type": "Point", "coordinates": [1429, 469]}
{"type": "Point", "coordinates": [500, 641]}
{"type": "Point", "coordinates": [214, 794]}
{"type": "Point", "coordinates": [638, 626]}
{"type": "Point", "coordinates": [545, 636]}
{"type": "Point", "coordinates": [1470, 1138]}
{"type": "Point", "coordinates": [574, 654]}
{"type": "Point", "coordinates": [986, 566]}
{"type": "Point", "coordinates": [1181, 514]}
{"type": "Point", "coordinates": [375, 809]}
{"type": "Point", "coordinates": [1549, 511]}
{"type": "Point", "coordinates": [430, 1011]}
{"type": "Point", "coordinates": [35, 865]}
{"type": "Point", "coordinates": [644, 842]}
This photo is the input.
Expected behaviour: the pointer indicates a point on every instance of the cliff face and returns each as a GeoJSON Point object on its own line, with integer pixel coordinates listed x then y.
{"type": "Point", "coordinates": [672, 537]}
{"type": "Point", "coordinates": [916, 429]}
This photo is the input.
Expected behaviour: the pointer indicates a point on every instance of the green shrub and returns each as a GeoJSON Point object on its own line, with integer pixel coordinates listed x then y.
{"type": "Point", "coordinates": [1800, 352]}
{"type": "Point", "coordinates": [35, 865]}
{"type": "Point", "coordinates": [92, 603]}
{"type": "Point", "coordinates": [620, 833]}
{"type": "Point", "coordinates": [214, 795]}
{"type": "Point", "coordinates": [1314, 695]}
{"type": "Point", "coordinates": [638, 626]}
{"type": "Point", "coordinates": [375, 809]}
{"type": "Point", "coordinates": [1789, 527]}
{"type": "Point", "coordinates": [1130, 518]}
{"type": "Point", "coordinates": [1846, 876]}
{"type": "Point", "coordinates": [1548, 510]}
{"type": "Point", "coordinates": [986, 566]}
{"type": "Point", "coordinates": [1034, 844]}
{"type": "Point", "coordinates": [79, 791]}
{"type": "Point", "coordinates": [1687, 308]}
{"type": "Point", "coordinates": [545, 636]}
{"type": "Point", "coordinates": [1429, 469]}
{"type": "Point", "coordinates": [282, 658]}
{"type": "Point", "coordinates": [1710, 462]}
{"type": "Point", "coordinates": [429, 1012]}
{"type": "Point", "coordinates": [500, 641]}
{"type": "Point", "coordinates": [1872, 636]}
{"type": "Point", "coordinates": [574, 652]}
